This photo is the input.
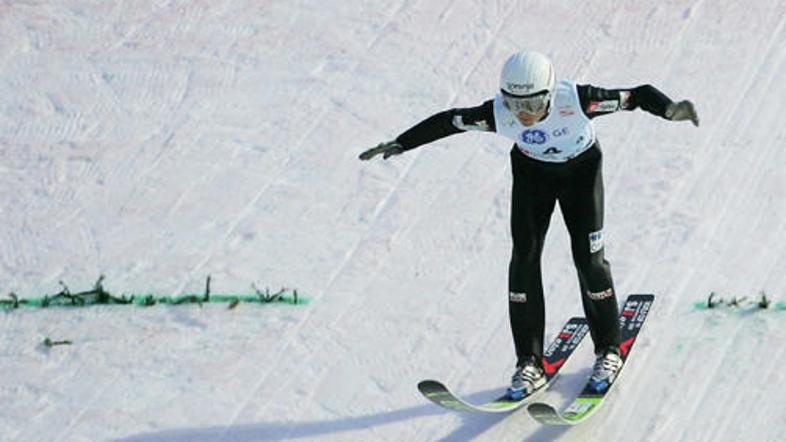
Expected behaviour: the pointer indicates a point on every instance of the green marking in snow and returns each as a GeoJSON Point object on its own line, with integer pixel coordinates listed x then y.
{"type": "Point", "coordinates": [99, 296]}
{"type": "Point", "coordinates": [740, 303]}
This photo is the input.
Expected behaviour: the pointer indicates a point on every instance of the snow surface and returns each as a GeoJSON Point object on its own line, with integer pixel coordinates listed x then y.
{"type": "Point", "coordinates": [158, 142]}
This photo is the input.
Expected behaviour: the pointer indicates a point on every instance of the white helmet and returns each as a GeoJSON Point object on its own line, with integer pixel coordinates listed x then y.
{"type": "Point", "coordinates": [527, 82]}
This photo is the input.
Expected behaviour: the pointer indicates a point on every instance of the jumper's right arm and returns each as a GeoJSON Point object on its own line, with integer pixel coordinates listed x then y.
{"type": "Point", "coordinates": [437, 126]}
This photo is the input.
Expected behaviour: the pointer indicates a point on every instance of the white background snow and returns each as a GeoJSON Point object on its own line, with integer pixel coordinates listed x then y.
{"type": "Point", "coordinates": [158, 142]}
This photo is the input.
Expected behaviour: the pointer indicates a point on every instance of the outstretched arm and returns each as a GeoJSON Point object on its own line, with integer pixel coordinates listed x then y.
{"type": "Point", "coordinates": [597, 101]}
{"type": "Point", "coordinates": [437, 126]}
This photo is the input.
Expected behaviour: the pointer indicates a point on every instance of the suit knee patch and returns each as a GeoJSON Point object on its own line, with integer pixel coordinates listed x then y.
{"type": "Point", "coordinates": [608, 293]}
{"type": "Point", "coordinates": [517, 297]}
{"type": "Point", "coordinates": [596, 241]}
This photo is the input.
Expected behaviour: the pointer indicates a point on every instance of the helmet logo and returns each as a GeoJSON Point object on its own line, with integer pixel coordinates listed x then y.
{"type": "Point", "coordinates": [520, 87]}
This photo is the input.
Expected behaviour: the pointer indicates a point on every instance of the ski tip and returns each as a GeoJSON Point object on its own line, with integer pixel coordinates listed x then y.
{"type": "Point", "coordinates": [536, 407]}
{"type": "Point", "coordinates": [430, 384]}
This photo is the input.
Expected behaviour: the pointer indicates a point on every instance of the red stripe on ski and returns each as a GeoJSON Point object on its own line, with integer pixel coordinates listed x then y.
{"type": "Point", "coordinates": [550, 369]}
{"type": "Point", "coordinates": [625, 346]}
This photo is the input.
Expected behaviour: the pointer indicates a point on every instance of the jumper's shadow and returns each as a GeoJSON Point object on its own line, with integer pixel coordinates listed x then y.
{"type": "Point", "coordinates": [473, 424]}
{"type": "Point", "coordinates": [309, 430]}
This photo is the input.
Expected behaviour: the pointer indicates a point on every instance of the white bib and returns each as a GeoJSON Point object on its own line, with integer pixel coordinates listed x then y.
{"type": "Point", "coordinates": [564, 134]}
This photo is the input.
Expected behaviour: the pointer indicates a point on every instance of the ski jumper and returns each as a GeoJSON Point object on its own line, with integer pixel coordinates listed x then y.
{"type": "Point", "coordinates": [558, 159]}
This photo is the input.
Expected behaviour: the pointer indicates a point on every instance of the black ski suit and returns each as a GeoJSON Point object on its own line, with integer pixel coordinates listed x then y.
{"type": "Point", "coordinates": [577, 185]}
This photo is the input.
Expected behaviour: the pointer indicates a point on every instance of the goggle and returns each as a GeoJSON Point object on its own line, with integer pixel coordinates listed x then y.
{"type": "Point", "coordinates": [531, 104]}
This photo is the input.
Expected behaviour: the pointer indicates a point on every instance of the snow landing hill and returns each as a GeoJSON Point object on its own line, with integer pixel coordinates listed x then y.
{"type": "Point", "coordinates": [161, 141]}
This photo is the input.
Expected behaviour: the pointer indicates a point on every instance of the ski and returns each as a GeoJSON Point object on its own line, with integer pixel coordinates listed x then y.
{"type": "Point", "coordinates": [553, 359]}
{"type": "Point", "coordinates": [634, 312]}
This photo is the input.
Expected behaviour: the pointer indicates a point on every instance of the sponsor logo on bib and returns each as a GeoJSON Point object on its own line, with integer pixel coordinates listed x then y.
{"type": "Point", "coordinates": [534, 136]}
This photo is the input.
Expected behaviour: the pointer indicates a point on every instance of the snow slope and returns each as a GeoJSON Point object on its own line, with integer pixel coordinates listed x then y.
{"type": "Point", "coordinates": [158, 142]}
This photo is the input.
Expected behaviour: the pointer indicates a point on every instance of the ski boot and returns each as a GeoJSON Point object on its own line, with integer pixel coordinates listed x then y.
{"type": "Point", "coordinates": [607, 366]}
{"type": "Point", "coordinates": [527, 378]}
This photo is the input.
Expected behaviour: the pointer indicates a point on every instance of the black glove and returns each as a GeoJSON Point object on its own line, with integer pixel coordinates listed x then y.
{"type": "Point", "coordinates": [683, 110]}
{"type": "Point", "coordinates": [387, 149]}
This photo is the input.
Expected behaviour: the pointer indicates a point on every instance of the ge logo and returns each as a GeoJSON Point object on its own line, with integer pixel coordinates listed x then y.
{"type": "Point", "coordinates": [534, 136]}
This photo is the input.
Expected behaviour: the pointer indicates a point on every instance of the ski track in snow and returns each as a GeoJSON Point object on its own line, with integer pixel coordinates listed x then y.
{"type": "Point", "coordinates": [159, 142]}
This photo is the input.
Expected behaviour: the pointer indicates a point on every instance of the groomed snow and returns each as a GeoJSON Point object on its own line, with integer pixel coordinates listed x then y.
{"type": "Point", "coordinates": [158, 142]}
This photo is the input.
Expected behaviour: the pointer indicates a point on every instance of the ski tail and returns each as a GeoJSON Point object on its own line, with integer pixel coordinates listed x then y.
{"type": "Point", "coordinates": [632, 317]}
{"type": "Point", "coordinates": [563, 344]}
